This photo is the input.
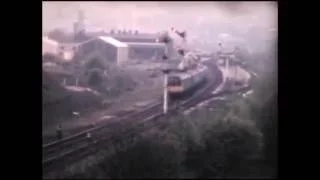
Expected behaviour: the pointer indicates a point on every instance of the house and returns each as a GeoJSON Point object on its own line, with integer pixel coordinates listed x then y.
{"type": "Point", "coordinates": [62, 51]}
{"type": "Point", "coordinates": [49, 46]}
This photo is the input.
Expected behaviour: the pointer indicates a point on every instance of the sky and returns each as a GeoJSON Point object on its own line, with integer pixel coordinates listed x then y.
{"type": "Point", "coordinates": [201, 20]}
{"type": "Point", "coordinates": [157, 15]}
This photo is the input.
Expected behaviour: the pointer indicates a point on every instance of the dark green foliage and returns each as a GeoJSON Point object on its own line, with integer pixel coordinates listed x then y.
{"type": "Point", "coordinates": [226, 143]}
{"type": "Point", "coordinates": [47, 57]}
{"type": "Point", "coordinates": [95, 63]}
{"type": "Point", "coordinates": [110, 82]}
{"type": "Point", "coordinates": [269, 128]}
{"type": "Point", "coordinates": [229, 141]}
{"type": "Point", "coordinates": [57, 34]}
{"type": "Point", "coordinates": [95, 79]}
{"type": "Point", "coordinates": [214, 145]}
{"type": "Point", "coordinates": [263, 104]}
{"type": "Point", "coordinates": [217, 144]}
{"type": "Point", "coordinates": [148, 158]}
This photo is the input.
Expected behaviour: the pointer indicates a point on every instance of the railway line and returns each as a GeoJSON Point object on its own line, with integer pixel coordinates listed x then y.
{"type": "Point", "coordinates": [60, 153]}
{"type": "Point", "coordinates": [78, 137]}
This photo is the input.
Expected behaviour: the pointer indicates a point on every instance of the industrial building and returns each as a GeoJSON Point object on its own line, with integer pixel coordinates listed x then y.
{"type": "Point", "coordinates": [112, 50]}
{"type": "Point", "coordinates": [130, 36]}
{"type": "Point", "coordinates": [146, 51]}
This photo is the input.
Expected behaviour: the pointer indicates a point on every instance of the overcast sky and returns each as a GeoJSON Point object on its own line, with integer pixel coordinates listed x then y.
{"type": "Point", "coordinates": [202, 20]}
{"type": "Point", "coordinates": [150, 16]}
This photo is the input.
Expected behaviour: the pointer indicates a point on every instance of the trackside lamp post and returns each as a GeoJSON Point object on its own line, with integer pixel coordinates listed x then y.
{"type": "Point", "coordinates": [165, 90]}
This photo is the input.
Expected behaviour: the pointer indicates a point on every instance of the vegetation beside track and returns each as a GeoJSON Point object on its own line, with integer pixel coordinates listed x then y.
{"type": "Point", "coordinates": [236, 139]}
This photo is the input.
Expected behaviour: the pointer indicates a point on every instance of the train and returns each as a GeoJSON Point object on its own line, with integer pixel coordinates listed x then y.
{"type": "Point", "coordinates": [190, 74]}
{"type": "Point", "coordinates": [183, 83]}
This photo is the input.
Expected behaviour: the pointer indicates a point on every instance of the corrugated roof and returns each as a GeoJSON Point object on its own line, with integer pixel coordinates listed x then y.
{"type": "Point", "coordinates": [112, 41]}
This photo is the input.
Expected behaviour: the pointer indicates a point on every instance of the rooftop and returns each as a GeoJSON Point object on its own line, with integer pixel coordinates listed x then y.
{"type": "Point", "coordinates": [140, 36]}
{"type": "Point", "coordinates": [145, 44]}
{"type": "Point", "coordinates": [112, 41]}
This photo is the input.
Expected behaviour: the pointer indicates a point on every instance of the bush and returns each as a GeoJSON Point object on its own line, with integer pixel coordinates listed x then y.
{"type": "Point", "coordinates": [269, 121]}
{"type": "Point", "coordinates": [227, 143]}
{"type": "Point", "coordinates": [207, 146]}
{"type": "Point", "coordinates": [220, 143]}
{"type": "Point", "coordinates": [116, 82]}
{"type": "Point", "coordinates": [154, 156]}
{"type": "Point", "coordinates": [215, 142]}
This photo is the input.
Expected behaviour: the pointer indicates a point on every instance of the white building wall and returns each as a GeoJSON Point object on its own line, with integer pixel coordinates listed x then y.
{"type": "Point", "coordinates": [64, 51]}
{"type": "Point", "coordinates": [49, 46]}
{"type": "Point", "coordinates": [123, 55]}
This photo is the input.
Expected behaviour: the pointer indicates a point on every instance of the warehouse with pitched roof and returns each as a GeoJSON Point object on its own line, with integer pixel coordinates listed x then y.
{"type": "Point", "coordinates": [111, 49]}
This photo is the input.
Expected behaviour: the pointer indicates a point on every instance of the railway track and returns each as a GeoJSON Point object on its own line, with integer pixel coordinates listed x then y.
{"type": "Point", "coordinates": [73, 148]}
{"type": "Point", "coordinates": [51, 148]}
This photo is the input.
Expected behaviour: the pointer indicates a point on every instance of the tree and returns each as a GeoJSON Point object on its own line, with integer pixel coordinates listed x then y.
{"type": "Point", "coordinates": [149, 157]}
{"type": "Point", "coordinates": [227, 143]}
{"type": "Point", "coordinates": [95, 78]}
{"type": "Point", "coordinates": [48, 57]}
{"type": "Point", "coordinates": [269, 125]}
{"type": "Point", "coordinates": [57, 34]}
{"type": "Point", "coordinates": [95, 63]}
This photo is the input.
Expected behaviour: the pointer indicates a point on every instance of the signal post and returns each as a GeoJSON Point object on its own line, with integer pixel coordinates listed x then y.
{"type": "Point", "coordinates": [165, 90]}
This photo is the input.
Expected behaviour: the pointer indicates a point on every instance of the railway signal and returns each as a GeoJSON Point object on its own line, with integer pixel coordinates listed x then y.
{"type": "Point", "coordinates": [165, 38]}
{"type": "Point", "coordinates": [165, 90]}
